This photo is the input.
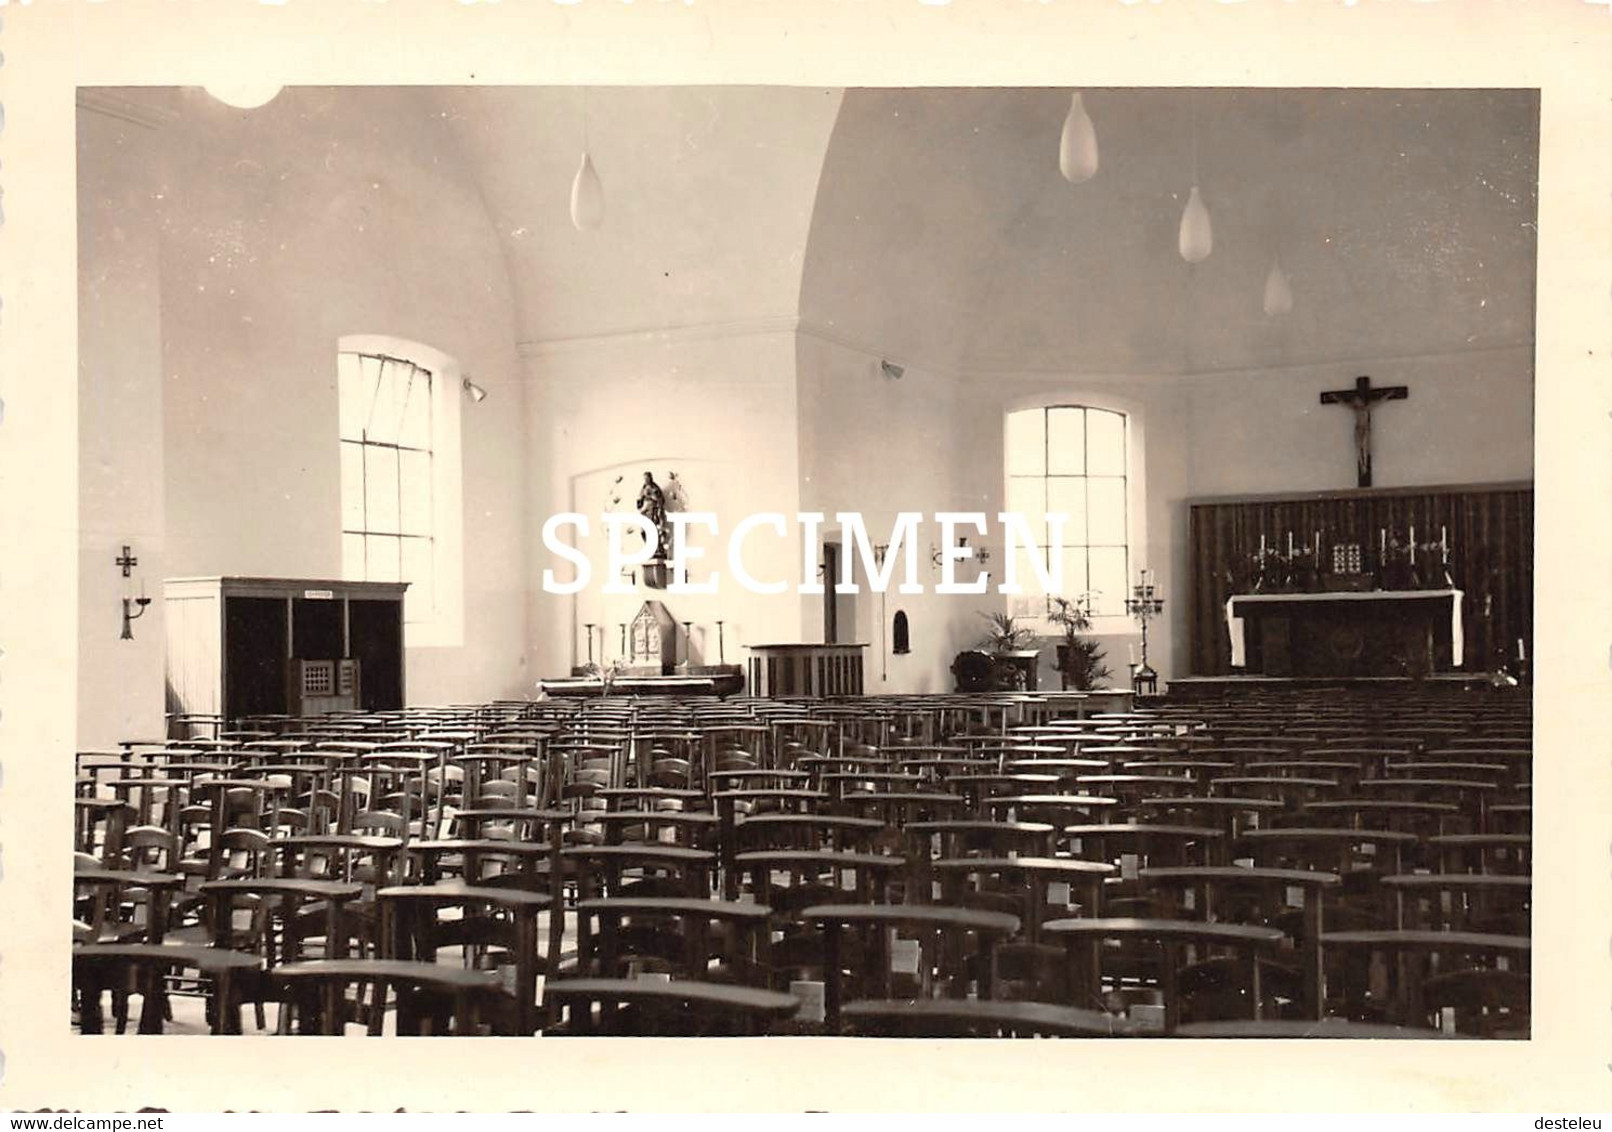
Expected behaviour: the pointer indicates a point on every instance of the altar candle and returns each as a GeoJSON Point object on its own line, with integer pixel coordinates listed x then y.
{"type": "Point", "coordinates": [1443, 539]}
{"type": "Point", "coordinates": [1318, 546]}
{"type": "Point", "coordinates": [1382, 543]}
{"type": "Point", "coordinates": [1413, 545]}
{"type": "Point", "coordinates": [1132, 650]}
{"type": "Point", "coordinates": [1521, 652]}
{"type": "Point", "coordinates": [1290, 544]}
{"type": "Point", "coordinates": [1262, 545]}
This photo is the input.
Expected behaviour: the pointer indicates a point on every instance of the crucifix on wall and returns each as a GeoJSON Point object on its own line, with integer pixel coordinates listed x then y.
{"type": "Point", "coordinates": [1361, 398]}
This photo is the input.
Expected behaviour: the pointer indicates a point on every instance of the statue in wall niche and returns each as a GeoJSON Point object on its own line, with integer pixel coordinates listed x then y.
{"type": "Point", "coordinates": [652, 506]}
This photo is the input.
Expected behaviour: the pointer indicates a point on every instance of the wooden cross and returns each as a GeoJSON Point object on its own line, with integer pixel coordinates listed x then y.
{"type": "Point", "coordinates": [1360, 399]}
{"type": "Point", "coordinates": [126, 560]}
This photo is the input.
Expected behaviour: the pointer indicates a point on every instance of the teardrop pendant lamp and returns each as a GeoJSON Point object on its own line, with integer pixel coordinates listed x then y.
{"type": "Point", "coordinates": [1197, 233]}
{"type": "Point", "coordinates": [1278, 292]}
{"type": "Point", "coordinates": [1077, 148]}
{"type": "Point", "coordinates": [1278, 298]}
{"type": "Point", "coordinates": [244, 94]}
{"type": "Point", "coordinates": [587, 191]}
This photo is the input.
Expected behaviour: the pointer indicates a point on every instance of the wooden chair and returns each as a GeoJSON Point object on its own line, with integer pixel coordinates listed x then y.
{"type": "Point", "coordinates": [1283, 1028]}
{"type": "Point", "coordinates": [1496, 853]}
{"type": "Point", "coordinates": [1035, 890]}
{"type": "Point", "coordinates": [491, 925]}
{"type": "Point", "coordinates": [1416, 958]}
{"type": "Point", "coordinates": [284, 902]}
{"type": "Point", "coordinates": [707, 940]}
{"type": "Point", "coordinates": [1292, 789]}
{"type": "Point", "coordinates": [1424, 819]}
{"type": "Point", "coordinates": [1474, 902]}
{"type": "Point", "coordinates": [973, 1018]}
{"type": "Point", "coordinates": [972, 837]}
{"type": "Point", "coordinates": [98, 967]}
{"type": "Point", "coordinates": [1056, 809]}
{"type": "Point", "coordinates": [805, 831]}
{"type": "Point", "coordinates": [1085, 941]}
{"type": "Point", "coordinates": [1290, 900]}
{"type": "Point", "coordinates": [944, 962]}
{"type": "Point", "coordinates": [671, 1008]}
{"type": "Point", "coordinates": [432, 998]}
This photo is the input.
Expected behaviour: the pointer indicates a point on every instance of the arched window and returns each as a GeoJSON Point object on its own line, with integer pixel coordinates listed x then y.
{"type": "Point", "coordinates": [901, 642]}
{"type": "Point", "coordinates": [400, 478]}
{"type": "Point", "coordinates": [1073, 459]}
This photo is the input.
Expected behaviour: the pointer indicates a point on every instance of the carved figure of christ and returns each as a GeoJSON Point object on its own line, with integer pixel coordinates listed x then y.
{"type": "Point", "coordinates": [1361, 398]}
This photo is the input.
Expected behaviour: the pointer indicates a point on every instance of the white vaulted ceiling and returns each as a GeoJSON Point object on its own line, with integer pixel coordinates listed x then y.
{"type": "Point", "coordinates": [1404, 219]}
{"type": "Point", "coordinates": [708, 200]}
{"type": "Point", "coordinates": [933, 225]}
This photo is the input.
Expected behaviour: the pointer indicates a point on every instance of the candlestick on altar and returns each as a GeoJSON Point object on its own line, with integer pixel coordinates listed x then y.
{"type": "Point", "coordinates": [623, 638]}
{"type": "Point", "coordinates": [721, 650]}
{"type": "Point", "coordinates": [589, 627]}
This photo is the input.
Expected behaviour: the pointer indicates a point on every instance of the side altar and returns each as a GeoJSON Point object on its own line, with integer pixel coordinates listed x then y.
{"type": "Point", "coordinates": [650, 663]}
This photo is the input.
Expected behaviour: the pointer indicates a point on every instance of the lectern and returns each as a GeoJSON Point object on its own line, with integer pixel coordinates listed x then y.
{"type": "Point", "coordinates": [806, 670]}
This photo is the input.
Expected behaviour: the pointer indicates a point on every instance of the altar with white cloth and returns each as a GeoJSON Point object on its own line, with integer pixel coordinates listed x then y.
{"type": "Point", "coordinates": [1352, 633]}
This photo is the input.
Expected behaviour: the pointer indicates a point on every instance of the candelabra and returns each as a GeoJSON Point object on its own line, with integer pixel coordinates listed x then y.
{"type": "Point", "coordinates": [134, 608]}
{"type": "Point", "coordinates": [937, 556]}
{"type": "Point", "coordinates": [1146, 601]}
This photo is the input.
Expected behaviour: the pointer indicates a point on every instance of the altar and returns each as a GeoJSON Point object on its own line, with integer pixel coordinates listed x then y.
{"type": "Point", "coordinates": [702, 680]}
{"type": "Point", "coordinates": [1346, 634]}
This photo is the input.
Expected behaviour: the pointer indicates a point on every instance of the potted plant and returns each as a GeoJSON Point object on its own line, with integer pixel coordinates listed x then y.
{"type": "Point", "coordinates": [1006, 635]}
{"type": "Point", "coordinates": [1009, 644]}
{"type": "Point", "coordinates": [1080, 659]}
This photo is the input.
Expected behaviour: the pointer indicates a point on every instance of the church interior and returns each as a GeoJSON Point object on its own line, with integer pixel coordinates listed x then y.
{"type": "Point", "coordinates": [1257, 765]}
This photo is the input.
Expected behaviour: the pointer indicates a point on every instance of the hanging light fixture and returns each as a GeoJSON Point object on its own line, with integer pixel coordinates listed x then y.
{"type": "Point", "coordinates": [587, 191]}
{"type": "Point", "coordinates": [1197, 234]}
{"type": "Point", "coordinates": [243, 94]}
{"type": "Point", "coordinates": [1278, 292]}
{"type": "Point", "coordinates": [1077, 149]}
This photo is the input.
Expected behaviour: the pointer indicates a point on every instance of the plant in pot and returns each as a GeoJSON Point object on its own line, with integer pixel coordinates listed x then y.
{"type": "Point", "coordinates": [1080, 659]}
{"type": "Point", "coordinates": [1003, 639]}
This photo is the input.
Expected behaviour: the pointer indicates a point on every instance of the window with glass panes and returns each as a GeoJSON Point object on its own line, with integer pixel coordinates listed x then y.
{"type": "Point", "coordinates": [387, 511]}
{"type": "Point", "coordinates": [1072, 459]}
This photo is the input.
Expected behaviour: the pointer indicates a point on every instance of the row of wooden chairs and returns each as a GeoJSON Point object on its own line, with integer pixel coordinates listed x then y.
{"type": "Point", "coordinates": [919, 823]}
